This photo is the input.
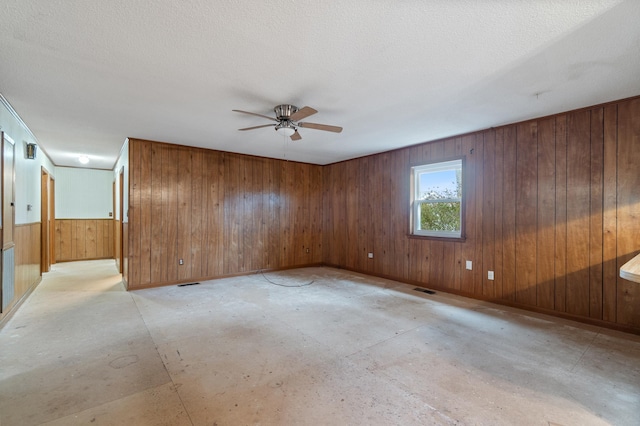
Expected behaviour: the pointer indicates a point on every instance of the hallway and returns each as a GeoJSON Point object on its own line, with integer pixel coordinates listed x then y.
{"type": "Point", "coordinates": [304, 346]}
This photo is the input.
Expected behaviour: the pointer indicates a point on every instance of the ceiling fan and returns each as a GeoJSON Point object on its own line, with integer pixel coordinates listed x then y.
{"type": "Point", "coordinates": [288, 120]}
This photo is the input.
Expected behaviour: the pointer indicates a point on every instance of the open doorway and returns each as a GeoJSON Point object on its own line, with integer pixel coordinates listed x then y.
{"type": "Point", "coordinates": [47, 220]}
{"type": "Point", "coordinates": [120, 222]}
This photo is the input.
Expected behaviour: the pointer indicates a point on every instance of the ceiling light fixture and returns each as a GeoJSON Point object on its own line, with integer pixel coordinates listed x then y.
{"type": "Point", "coordinates": [285, 127]}
{"type": "Point", "coordinates": [83, 159]}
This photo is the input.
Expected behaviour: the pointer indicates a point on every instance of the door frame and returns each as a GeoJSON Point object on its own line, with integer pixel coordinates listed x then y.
{"type": "Point", "coordinates": [121, 215]}
{"type": "Point", "coordinates": [47, 221]}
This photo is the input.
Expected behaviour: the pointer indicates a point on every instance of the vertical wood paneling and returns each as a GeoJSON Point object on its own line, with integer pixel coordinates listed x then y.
{"type": "Point", "coordinates": [125, 255]}
{"type": "Point", "coordinates": [215, 213]}
{"type": "Point", "coordinates": [91, 246]}
{"type": "Point", "coordinates": [247, 226]}
{"type": "Point", "coordinates": [546, 197]}
{"type": "Point", "coordinates": [184, 214]}
{"type": "Point", "coordinates": [144, 213]}
{"type": "Point", "coordinates": [509, 215]}
{"type": "Point", "coordinates": [526, 212]}
{"type": "Point", "coordinates": [552, 208]}
{"type": "Point", "coordinates": [170, 211]}
{"type": "Point", "coordinates": [610, 267]}
{"type": "Point", "coordinates": [289, 211]}
{"type": "Point", "coordinates": [79, 239]}
{"type": "Point", "coordinates": [488, 213]}
{"type": "Point", "coordinates": [135, 221]}
{"type": "Point", "coordinates": [221, 213]}
{"type": "Point", "coordinates": [27, 239]}
{"type": "Point", "coordinates": [560, 300]}
{"type": "Point", "coordinates": [300, 219]}
{"type": "Point", "coordinates": [275, 212]}
{"type": "Point", "coordinates": [628, 243]}
{"type": "Point", "coordinates": [578, 196]}
{"type": "Point", "coordinates": [498, 222]}
{"type": "Point", "coordinates": [257, 212]}
{"type": "Point", "coordinates": [352, 212]}
{"type": "Point", "coordinates": [198, 213]}
{"type": "Point", "coordinates": [469, 182]}
{"type": "Point", "coordinates": [64, 240]}
{"type": "Point", "coordinates": [315, 215]}
{"type": "Point", "coordinates": [478, 196]}
{"type": "Point", "coordinates": [376, 204]}
{"type": "Point", "coordinates": [402, 223]}
{"type": "Point", "coordinates": [232, 214]}
{"type": "Point", "coordinates": [83, 239]}
{"type": "Point", "coordinates": [158, 263]}
{"type": "Point", "coordinates": [596, 214]}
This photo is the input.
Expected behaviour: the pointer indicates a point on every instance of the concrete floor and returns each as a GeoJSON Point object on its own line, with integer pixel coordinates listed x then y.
{"type": "Point", "coordinates": [346, 349]}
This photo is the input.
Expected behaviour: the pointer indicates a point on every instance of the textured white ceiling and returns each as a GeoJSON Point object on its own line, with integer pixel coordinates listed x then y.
{"type": "Point", "coordinates": [84, 75]}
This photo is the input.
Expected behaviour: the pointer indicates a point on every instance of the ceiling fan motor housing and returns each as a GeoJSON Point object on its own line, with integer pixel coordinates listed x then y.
{"type": "Point", "coordinates": [283, 112]}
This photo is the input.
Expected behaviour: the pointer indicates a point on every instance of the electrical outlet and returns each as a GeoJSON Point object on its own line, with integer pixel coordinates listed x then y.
{"type": "Point", "coordinates": [490, 275]}
{"type": "Point", "coordinates": [307, 250]}
{"type": "Point", "coordinates": [469, 265]}
{"type": "Point", "coordinates": [370, 255]}
{"type": "Point", "coordinates": [180, 262]}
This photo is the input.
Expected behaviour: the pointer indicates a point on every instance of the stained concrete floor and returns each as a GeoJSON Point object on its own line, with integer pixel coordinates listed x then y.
{"type": "Point", "coordinates": [345, 349]}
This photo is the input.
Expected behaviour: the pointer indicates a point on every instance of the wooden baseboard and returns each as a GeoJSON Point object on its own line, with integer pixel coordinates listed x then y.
{"type": "Point", "coordinates": [83, 259]}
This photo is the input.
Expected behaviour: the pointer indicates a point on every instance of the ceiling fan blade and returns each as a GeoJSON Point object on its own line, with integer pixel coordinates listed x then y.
{"type": "Point", "coordinates": [304, 112]}
{"type": "Point", "coordinates": [258, 127]}
{"type": "Point", "coordinates": [296, 136]}
{"type": "Point", "coordinates": [253, 113]}
{"type": "Point", "coordinates": [325, 127]}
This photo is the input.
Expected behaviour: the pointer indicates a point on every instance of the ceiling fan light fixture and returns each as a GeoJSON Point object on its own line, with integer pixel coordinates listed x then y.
{"type": "Point", "coordinates": [287, 131]}
{"type": "Point", "coordinates": [285, 127]}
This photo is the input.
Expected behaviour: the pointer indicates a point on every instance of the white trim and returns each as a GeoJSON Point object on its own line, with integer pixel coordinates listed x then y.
{"type": "Point", "coordinates": [15, 115]}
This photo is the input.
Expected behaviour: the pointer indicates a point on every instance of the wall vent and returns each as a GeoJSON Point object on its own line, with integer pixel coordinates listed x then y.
{"type": "Point", "coordinates": [424, 290]}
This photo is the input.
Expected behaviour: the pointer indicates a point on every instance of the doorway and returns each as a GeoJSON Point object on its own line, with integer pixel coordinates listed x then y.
{"type": "Point", "coordinates": [121, 223]}
{"type": "Point", "coordinates": [7, 223]}
{"type": "Point", "coordinates": [47, 220]}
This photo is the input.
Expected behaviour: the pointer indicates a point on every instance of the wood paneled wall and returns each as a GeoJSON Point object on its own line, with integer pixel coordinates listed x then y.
{"type": "Point", "coordinates": [27, 261]}
{"type": "Point", "coordinates": [221, 213]}
{"type": "Point", "coordinates": [552, 206]}
{"type": "Point", "coordinates": [116, 243]}
{"type": "Point", "coordinates": [125, 254]}
{"type": "Point", "coordinates": [83, 239]}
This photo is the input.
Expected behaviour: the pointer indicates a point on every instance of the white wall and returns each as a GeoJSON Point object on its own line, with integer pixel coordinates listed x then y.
{"type": "Point", "coordinates": [27, 172]}
{"type": "Point", "coordinates": [83, 193]}
{"type": "Point", "coordinates": [123, 162]}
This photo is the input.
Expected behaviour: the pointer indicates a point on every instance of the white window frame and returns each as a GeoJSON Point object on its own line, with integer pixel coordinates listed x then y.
{"type": "Point", "coordinates": [416, 171]}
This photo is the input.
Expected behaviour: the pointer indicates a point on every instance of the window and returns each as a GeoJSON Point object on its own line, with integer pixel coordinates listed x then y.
{"type": "Point", "coordinates": [436, 199]}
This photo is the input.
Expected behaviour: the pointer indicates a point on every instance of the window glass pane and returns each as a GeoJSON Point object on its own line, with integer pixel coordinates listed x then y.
{"type": "Point", "coordinates": [440, 184]}
{"type": "Point", "coordinates": [440, 216]}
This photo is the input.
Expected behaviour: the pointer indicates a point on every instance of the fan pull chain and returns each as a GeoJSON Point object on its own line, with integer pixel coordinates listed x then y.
{"type": "Point", "coordinates": [285, 142]}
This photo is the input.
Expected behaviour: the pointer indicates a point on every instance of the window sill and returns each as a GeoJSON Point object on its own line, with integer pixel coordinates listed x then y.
{"type": "Point", "coordinates": [429, 237]}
